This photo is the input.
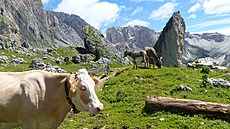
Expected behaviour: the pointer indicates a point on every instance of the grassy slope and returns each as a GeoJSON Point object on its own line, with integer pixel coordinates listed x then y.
{"type": "Point", "coordinates": [124, 96]}
{"type": "Point", "coordinates": [124, 100]}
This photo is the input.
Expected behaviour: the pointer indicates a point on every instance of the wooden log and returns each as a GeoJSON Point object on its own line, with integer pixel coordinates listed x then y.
{"type": "Point", "coordinates": [187, 106]}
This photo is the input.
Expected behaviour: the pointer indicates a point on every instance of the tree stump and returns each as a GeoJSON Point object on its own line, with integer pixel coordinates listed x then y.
{"type": "Point", "coordinates": [187, 106]}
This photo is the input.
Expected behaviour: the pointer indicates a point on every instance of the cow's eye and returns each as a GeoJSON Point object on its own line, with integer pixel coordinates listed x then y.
{"type": "Point", "coordinates": [83, 88]}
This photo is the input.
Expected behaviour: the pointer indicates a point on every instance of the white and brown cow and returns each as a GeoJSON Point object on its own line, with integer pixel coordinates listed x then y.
{"type": "Point", "coordinates": [40, 100]}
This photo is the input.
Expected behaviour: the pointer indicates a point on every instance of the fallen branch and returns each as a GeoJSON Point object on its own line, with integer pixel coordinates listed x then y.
{"type": "Point", "coordinates": [186, 106]}
{"type": "Point", "coordinates": [104, 77]}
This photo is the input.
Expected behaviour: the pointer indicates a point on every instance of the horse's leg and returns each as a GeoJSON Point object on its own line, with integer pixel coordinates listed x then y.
{"type": "Point", "coordinates": [154, 62]}
{"type": "Point", "coordinates": [151, 62]}
{"type": "Point", "coordinates": [135, 63]}
{"type": "Point", "coordinates": [145, 60]}
{"type": "Point", "coordinates": [148, 59]}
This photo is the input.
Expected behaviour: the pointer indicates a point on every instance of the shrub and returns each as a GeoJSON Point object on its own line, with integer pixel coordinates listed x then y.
{"type": "Point", "coordinates": [98, 54]}
{"type": "Point", "coordinates": [204, 80]}
{"type": "Point", "coordinates": [205, 70]}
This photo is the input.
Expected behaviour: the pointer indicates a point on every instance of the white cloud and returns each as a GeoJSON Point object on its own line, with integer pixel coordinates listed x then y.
{"type": "Point", "coordinates": [96, 13]}
{"type": "Point", "coordinates": [137, 22]}
{"type": "Point", "coordinates": [216, 6]}
{"type": "Point", "coordinates": [192, 16]}
{"type": "Point", "coordinates": [164, 11]}
{"type": "Point", "coordinates": [137, 10]}
{"type": "Point", "coordinates": [194, 8]}
{"type": "Point", "coordinates": [224, 30]}
{"type": "Point", "coordinates": [136, 1]}
{"type": "Point", "coordinates": [203, 24]}
{"type": "Point", "coordinates": [45, 1]}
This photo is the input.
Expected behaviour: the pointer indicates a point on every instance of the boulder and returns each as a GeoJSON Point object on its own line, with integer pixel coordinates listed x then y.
{"type": "Point", "coordinates": [206, 61]}
{"type": "Point", "coordinates": [67, 59]}
{"type": "Point", "coordinates": [185, 88]}
{"type": "Point", "coordinates": [54, 69]}
{"type": "Point", "coordinates": [49, 49]}
{"type": "Point", "coordinates": [87, 58]}
{"type": "Point", "coordinates": [76, 59]}
{"type": "Point", "coordinates": [103, 60]}
{"type": "Point", "coordinates": [18, 61]}
{"type": "Point", "coordinates": [4, 59]}
{"type": "Point", "coordinates": [59, 60]}
{"type": "Point", "coordinates": [37, 63]}
{"type": "Point", "coordinates": [219, 82]}
{"type": "Point", "coordinates": [26, 45]}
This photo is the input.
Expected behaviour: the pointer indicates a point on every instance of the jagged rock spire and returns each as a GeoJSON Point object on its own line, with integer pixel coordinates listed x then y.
{"type": "Point", "coordinates": [171, 41]}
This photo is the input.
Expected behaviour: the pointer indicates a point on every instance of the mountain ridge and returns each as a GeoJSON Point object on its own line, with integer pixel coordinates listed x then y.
{"type": "Point", "coordinates": [215, 45]}
{"type": "Point", "coordinates": [27, 22]}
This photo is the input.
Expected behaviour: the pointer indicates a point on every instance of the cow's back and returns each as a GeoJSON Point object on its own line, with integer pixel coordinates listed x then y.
{"type": "Point", "coordinates": [9, 97]}
{"type": "Point", "coordinates": [14, 94]}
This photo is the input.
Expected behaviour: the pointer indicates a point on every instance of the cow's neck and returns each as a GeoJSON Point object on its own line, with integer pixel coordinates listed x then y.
{"type": "Point", "coordinates": [68, 98]}
{"type": "Point", "coordinates": [58, 88]}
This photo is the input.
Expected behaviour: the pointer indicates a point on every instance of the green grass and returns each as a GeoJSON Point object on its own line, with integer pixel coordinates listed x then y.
{"type": "Point", "coordinates": [124, 100]}
{"type": "Point", "coordinates": [124, 95]}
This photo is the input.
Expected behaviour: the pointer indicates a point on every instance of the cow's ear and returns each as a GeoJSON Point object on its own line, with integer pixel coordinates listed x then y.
{"type": "Point", "coordinates": [72, 82]}
{"type": "Point", "coordinates": [96, 79]}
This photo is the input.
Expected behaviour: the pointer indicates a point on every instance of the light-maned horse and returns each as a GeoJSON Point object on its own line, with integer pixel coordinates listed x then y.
{"type": "Point", "coordinates": [151, 53]}
{"type": "Point", "coordinates": [136, 54]}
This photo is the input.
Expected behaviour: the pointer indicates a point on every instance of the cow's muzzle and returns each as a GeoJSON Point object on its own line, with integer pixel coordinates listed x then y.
{"type": "Point", "coordinates": [98, 109]}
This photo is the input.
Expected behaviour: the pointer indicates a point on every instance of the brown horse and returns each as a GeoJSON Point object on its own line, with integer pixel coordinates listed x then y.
{"type": "Point", "coordinates": [136, 54]}
{"type": "Point", "coordinates": [151, 53]}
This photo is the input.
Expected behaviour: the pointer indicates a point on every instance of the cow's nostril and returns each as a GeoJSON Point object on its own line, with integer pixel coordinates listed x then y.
{"type": "Point", "coordinates": [100, 108]}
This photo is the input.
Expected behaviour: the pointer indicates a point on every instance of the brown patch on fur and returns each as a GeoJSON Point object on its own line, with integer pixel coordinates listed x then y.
{"type": "Point", "coordinates": [84, 97]}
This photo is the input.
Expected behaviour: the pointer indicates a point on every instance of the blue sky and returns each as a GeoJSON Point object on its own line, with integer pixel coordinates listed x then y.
{"type": "Point", "coordinates": [200, 15]}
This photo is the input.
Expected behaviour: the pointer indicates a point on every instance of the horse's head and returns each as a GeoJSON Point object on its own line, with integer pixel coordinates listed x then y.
{"type": "Point", "coordinates": [159, 62]}
{"type": "Point", "coordinates": [125, 53]}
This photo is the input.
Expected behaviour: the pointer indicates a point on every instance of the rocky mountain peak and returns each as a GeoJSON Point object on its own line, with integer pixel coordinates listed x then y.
{"type": "Point", "coordinates": [135, 38]}
{"type": "Point", "coordinates": [27, 21]}
{"type": "Point", "coordinates": [171, 41]}
{"type": "Point", "coordinates": [217, 37]}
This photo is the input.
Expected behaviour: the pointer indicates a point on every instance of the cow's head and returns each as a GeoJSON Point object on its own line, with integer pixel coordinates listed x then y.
{"type": "Point", "coordinates": [82, 92]}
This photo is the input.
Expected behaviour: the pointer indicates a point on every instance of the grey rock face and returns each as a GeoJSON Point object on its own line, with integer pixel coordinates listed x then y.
{"type": "Point", "coordinates": [26, 20]}
{"type": "Point", "coordinates": [171, 41]}
{"type": "Point", "coordinates": [217, 37]}
{"type": "Point", "coordinates": [72, 21]}
{"type": "Point", "coordinates": [136, 37]}
{"type": "Point", "coordinates": [25, 23]}
{"type": "Point", "coordinates": [213, 45]}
